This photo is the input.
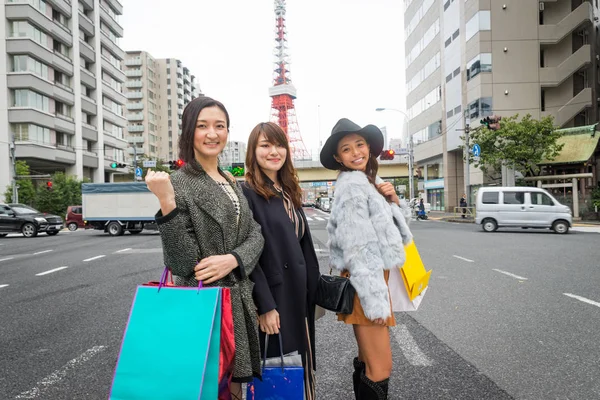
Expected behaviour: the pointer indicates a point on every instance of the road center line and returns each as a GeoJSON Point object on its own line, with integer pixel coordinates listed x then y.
{"type": "Point", "coordinates": [410, 348]}
{"type": "Point", "coordinates": [51, 271]}
{"type": "Point", "coordinates": [42, 252]}
{"type": "Point", "coordinates": [462, 258]}
{"type": "Point", "coordinates": [580, 298]}
{"type": "Point", "coordinates": [3, 286]}
{"type": "Point", "coordinates": [93, 258]}
{"type": "Point", "coordinates": [509, 274]}
{"type": "Point", "coordinates": [59, 374]}
{"type": "Point", "coordinates": [6, 259]}
{"type": "Point", "coordinates": [122, 250]}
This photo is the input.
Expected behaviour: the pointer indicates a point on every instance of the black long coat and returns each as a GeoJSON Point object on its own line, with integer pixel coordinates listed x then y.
{"type": "Point", "coordinates": [286, 275]}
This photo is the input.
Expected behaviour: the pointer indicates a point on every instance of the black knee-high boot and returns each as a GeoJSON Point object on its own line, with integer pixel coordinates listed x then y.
{"type": "Point", "coordinates": [359, 368]}
{"type": "Point", "coordinates": [369, 390]}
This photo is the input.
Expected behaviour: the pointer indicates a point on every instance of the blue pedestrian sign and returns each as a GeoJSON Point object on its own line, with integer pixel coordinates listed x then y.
{"type": "Point", "coordinates": [138, 172]}
{"type": "Point", "coordinates": [476, 150]}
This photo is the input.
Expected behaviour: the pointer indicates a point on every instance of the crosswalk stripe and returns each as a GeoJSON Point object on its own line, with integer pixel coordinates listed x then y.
{"type": "Point", "coordinates": [410, 348]}
{"type": "Point", "coordinates": [319, 219]}
{"type": "Point", "coordinates": [308, 218]}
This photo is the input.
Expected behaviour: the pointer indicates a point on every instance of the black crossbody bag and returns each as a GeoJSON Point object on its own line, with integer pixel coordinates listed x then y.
{"type": "Point", "coordinates": [335, 293]}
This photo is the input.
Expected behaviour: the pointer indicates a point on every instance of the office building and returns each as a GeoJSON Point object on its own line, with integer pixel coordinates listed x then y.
{"type": "Point", "coordinates": [61, 79]}
{"type": "Point", "coordinates": [469, 59]}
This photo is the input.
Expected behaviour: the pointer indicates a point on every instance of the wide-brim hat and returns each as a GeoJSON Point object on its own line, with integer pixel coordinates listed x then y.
{"type": "Point", "coordinates": [344, 126]}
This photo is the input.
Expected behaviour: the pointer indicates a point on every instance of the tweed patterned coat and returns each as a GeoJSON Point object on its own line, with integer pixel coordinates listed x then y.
{"type": "Point", "coordinates": [205, 224]}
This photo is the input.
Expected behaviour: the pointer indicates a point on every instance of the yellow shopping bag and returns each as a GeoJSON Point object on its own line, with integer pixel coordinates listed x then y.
{"type": "Point", "coordinates": [413, 272]}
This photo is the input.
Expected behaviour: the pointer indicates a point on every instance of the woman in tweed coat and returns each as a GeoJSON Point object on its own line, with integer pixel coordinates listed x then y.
{"type": "Point", "coordinates": [207, 230]}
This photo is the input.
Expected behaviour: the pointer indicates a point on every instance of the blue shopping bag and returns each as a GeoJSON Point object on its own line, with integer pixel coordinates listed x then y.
{"type": "Point", "coordinates": [279, 382]}
{"type": "Point", "coordinates": [147, 368]}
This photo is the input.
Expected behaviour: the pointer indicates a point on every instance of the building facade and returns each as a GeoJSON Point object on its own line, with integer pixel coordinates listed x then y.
{"type": "Point", "coordinates": [157, 91]}
{"type": "Point", "coordinates": [233, 153]}
{"type": "Point", "coordinates": [61, 105]}
{"type": "Point", "coordinates": [474, 58]}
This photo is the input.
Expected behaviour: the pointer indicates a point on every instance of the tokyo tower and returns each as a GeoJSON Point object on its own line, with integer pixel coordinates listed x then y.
{"type": "Point", "coordinates": [283, 91]}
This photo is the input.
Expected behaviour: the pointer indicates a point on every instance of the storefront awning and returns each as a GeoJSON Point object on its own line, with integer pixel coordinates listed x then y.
{"type": "Point", "coordinates": [579, 145]}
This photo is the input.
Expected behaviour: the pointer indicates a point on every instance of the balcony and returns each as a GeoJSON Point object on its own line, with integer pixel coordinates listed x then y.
{"type": "Point", "coordinates": [134, 84]}
{"type": "Point", "coordinates": [63, 6]}
{"type": "Point", "coordinates": [87, 51]}
{"type": "Point", "coordinates": [551, 34]}
{"type": "Point", "coordinates": [117, 73]}
{"type": "Point", "coordinates": [135, 139]}
{"type": "Point", "coordinates": [108, 20]}
{"type": "Point", "coordinates": [134, 95]}
{"type": "Point", "coordinates": [86, 24]}
{"type": "Point", "coordinates": [179, 82]}
{"type": "Point", "coordinates": [116, 5]}
{"type": "Point", "coordinates": [90, 160]}
{"type": "Point", "coordinates": [133, 62]}
{"type": "Point", "coordinates": [113, 118]}
{"type": "Point", "coordinates": [88, 78]}
{"type": "Point", "coordinates": [135, 117]}
{"type": "Point", "coordinates": [135, 128]}
{"type": "Point", "coordinates": [88, 105]}
{"type": "Point", "coordinates": [89, 133]}
{"type": "Point", "coordinates": [554, 76]}
{"type": "Point", "coordinates": [89, 4]}
{"type": "Point", "coordinates": [114, 141]}
{"type": "Point", "coordinates": [21, 11]}
{"type": "Point", "coordinates": [133, 73]}
{"type": "Point", "coordinates": [112, 46]}
{"type": "Point", "coordinates": [28, 46]}
{"type": "Point", "coordinates": [113, 94]}
{"type": "Point", "coordinates": [28, 80]}
{"type": "Point", "coordinates": [135, 106]}
{"type": "Point", "coordinates": [46, 152]}
{"type": "Point", "coordinates": [567, 112]}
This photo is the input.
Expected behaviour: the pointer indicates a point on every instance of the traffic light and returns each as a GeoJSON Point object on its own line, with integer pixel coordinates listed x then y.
{"type": "Point", "coordinates": [237, 169]}
{"type": "Point", "coordinates": [492, 122]}
{"type": "Point", "coordinates": [117, 165]}
{"type": "Point", "coordinates": [49, 185]}
{"type": "Point", "coordinates": [387, 155]}
{"type": "Point", "coordinates": [175, 165]}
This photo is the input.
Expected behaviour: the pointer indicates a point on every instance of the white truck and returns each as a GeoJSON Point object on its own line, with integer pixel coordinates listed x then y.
{"type": "Point", "coordinates": [119, 207]}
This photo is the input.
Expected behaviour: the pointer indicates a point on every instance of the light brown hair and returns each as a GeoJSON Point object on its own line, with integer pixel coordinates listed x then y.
{"type": "Point", "coordinates": [256, 178]}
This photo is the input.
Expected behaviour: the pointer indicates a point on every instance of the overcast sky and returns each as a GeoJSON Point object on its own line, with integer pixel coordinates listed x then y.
{"type": "Point", "coordinates": [347, 56]}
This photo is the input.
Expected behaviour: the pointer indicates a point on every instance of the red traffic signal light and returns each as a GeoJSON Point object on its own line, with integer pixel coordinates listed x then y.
{"type": "Point", "coordinates": [387, 155]}
{"type": "Point", "coordinates": [176, 164]}
{"type": "Point", "coordinates": [49, 185]}
{"type": "Point", "coordinates": [179, 163]}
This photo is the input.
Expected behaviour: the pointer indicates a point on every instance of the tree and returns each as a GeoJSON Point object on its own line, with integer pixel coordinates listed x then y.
{"type": "Point", "coordinates": [66, 191]}
{"type": "Point", "coordinates": [26, 189]}
{"type": "Point", "coordinates": [518, 144]}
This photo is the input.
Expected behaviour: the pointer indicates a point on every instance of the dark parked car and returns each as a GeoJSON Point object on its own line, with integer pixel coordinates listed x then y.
{"type": "Point", "coordinates": [27, 220]}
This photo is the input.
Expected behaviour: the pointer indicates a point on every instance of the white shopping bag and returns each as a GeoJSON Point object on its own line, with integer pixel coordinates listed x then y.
{"type": "Point", "coordinates": [398, 294]}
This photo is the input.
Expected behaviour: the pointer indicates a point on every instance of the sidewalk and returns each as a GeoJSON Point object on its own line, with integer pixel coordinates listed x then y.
{"type": "Point", "coordinates": [451, 217]}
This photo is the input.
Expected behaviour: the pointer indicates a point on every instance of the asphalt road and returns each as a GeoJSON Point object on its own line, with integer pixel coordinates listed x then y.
{"type": "Point", "coordinates": [513, 314]}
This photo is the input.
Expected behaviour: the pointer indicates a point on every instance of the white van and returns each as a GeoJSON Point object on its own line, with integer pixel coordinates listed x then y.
{"type": "Point", "coordinates": [525, 207]}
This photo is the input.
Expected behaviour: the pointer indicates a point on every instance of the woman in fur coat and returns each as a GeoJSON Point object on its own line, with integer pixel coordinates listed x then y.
{"type": "Point", "coordinates": [367, 230]}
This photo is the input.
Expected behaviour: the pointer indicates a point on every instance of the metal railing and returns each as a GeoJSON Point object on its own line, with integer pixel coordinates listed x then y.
{"type": "Point", "coordinates": [468, 212]}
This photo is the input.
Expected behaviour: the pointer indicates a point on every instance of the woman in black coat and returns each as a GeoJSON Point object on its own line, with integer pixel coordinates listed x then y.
{"type": "Point", "coordinates": [287, 272]}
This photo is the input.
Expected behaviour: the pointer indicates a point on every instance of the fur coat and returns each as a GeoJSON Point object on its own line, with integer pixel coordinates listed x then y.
{"type": "Point", "coordinates": [366, 236]}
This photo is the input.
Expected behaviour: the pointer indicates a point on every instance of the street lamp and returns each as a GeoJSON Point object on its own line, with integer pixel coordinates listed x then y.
{"type": "Point", "coordinates": [411, 159]}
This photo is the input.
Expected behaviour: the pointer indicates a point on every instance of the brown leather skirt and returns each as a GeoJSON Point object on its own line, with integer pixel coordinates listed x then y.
{"type": "Point", "coordinates": [358, 315]}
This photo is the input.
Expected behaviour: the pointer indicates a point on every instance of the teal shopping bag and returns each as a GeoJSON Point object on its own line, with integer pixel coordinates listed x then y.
{"type": "Point", "coordinates": [170, 348]}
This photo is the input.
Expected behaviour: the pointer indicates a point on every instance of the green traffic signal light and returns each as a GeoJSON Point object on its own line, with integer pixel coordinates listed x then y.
{"type": "Point", "coordinates": [113, 165]}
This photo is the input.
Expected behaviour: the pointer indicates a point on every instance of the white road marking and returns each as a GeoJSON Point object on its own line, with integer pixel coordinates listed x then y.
{"type": "Point", "coordinates": [580, 298]}
{"type": "Point", "coordinates": [308, 218]}
{"type": "Point", "coordinates": [3, 286]}
{"type": "Point", "coordinates": [122, 250]}
{"type": "Point", "coordinates": [509, 274]}
{"type": "Point", "coordinates": [6, 259]}
{"type": "Point", "coordinates": [319, 219]}
{"type": "Point", "coordinates": [409, 347]}
{"type": "Point", "coordinates": [51, 271]}
{"type": "Point", "coordinates": [93, 258]}
{"type": "Point", "coordinates": [59, 374]}
{"type": "Point", "coordinates": [462, 258]}
{"type": "Point", "coordinates": [321, 250]}
{"type": "Point", "coordinates": [42, 252]}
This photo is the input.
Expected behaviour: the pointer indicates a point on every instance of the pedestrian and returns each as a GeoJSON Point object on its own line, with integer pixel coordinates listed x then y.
{"type": "Point", "coordinates": [367, 230]}
{"type": "Point", "coordinates": [463, 204]}
{"type": "Point", "coordinates": [286, 276]}
{"type": "Point", "coordinates": [207, 230]}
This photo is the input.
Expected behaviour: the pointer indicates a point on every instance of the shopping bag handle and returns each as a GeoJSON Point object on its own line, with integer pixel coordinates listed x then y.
{"type": "Point", "coordinates": [165, 275]}
{"type": "Point", "coordinates": [267, 346]}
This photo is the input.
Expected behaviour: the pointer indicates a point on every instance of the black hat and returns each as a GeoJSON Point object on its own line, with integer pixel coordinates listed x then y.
{"type": "Point", "coordinates": [344, 126]}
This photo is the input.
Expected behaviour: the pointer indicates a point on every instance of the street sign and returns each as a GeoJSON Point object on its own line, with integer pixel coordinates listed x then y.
{"type": "Point", "coordinates": [476, 150]}
{"type": "Point", "coordinates": [149, 164]}
{"type": "Point", "coordinates": [138, 172]}
{"type": "Point", "coordinates": [401, 188]}
{"type": "Point", "coordinates": [402, 152]}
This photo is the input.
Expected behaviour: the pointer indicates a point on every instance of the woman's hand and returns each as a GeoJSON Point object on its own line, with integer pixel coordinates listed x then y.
{"type": "Point", "coordinates": [213, 268]}
{"type": "Point", "coordinates": [388, 191]}
{"type": "Point", "coordinates": [379, 321]}
{"type": "Point", "coordinates": [159, 183]}
{"type": "Point", "coordinates": [269, 322]}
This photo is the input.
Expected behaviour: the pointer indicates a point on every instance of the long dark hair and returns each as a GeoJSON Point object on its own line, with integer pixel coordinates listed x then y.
{"type": "Point", "coordinates": [188, 128]}
{"type": "Point", "coordinates": [372, 165]}
{"type": "Point", "coordinates": [288, 178]}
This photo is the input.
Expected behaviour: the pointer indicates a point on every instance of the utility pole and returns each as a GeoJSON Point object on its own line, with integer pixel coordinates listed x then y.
{"type": "Point", "coordinates": [135, 178]}
{"type": "Point", "coordinates": [467, 151]}
{"type": "Point", "coordinates": [15, 196]}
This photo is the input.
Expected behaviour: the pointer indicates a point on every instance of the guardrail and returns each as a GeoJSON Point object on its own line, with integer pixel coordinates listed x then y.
{"type": "Point", "coordinates": [465, 212]}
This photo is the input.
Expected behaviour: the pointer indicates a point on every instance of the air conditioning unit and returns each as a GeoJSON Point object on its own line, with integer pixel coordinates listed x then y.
{"type": "Point", "coordinates": [541, 6]}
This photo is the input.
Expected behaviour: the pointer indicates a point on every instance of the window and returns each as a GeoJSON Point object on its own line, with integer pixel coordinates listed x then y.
{"type": "Point", "coordinates": [541, 199]}
{"type": "Point", "coordinates": [62, 79]}
{"type": "Point", "coordinates": [62, 109]}
{"type": "Point", "coordinates": [479, 22]}
{"type": "Point", "coordinates": [23, 29]}
{"type": "Point", "coordinates": [426, 102]}
{"type": "Point", "coordinates": [60, 18]}
{"type": "Point", "coordinates": [31, 133]}
{"type": "Point", "coordinates": [423, 42]}
{"type": "Point", "coordinates": [457, 110]}
{"type": "Point", "coordinates": [29, 98]}
{"type": "Point", "coordinates": [85, 91]}
{"type": "Point", "coordinates": [419, 14]}
{"type": "Point", "coordinates": [480, 63]}
{"type": "Point", "coordinates": [489, 198]}
{"type": "Point", "coordinates": [456, 72]}
{"type": "Point", "coordinates": [63, 139]}
{"type": "Point", "coordinates": [481, 108]}
{"type": "Point", "coordinates": [61, 48]}
{"type": "Point", "coordinates": [28, 64]}
{"type": "Point", "coordinates": [455, 34]}
{"type": "Point", "coordinates": [429, 68]}
{"type": "Point", "coordinates": [39, 4]}
{"type": "Point", "coordinates": [514, 198]}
